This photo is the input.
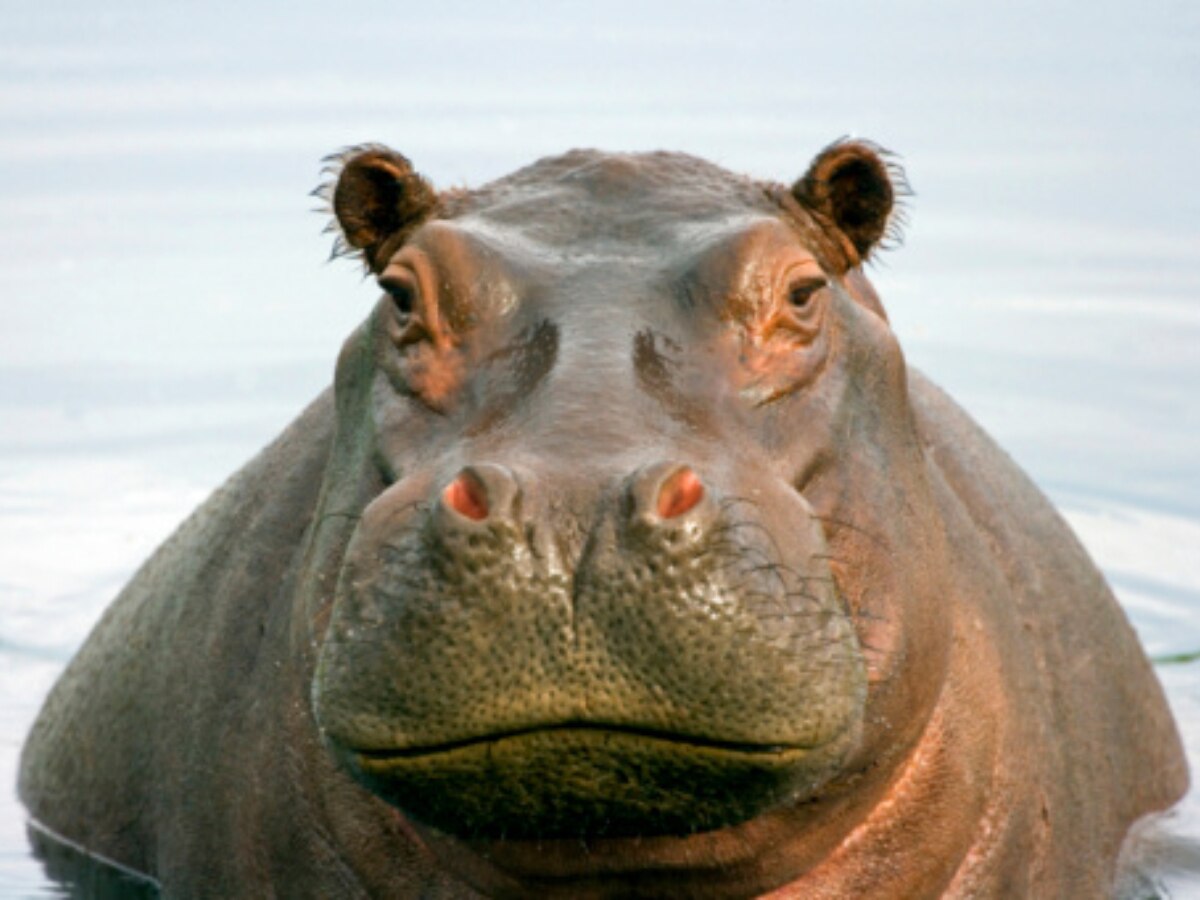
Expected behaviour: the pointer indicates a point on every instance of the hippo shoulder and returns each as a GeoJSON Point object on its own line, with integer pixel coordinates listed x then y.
{"type": "Point", "coordinates": [185, 631]}
{"type": "Point", "coordinates": [1094, 683]}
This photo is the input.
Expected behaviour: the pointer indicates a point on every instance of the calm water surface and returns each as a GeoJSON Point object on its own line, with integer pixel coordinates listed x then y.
{"type": "Point", "coordinates": [164, 309]}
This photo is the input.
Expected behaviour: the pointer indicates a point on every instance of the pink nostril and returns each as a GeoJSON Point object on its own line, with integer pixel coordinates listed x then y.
{"type": "Point", "coordinates": [679, 493]}
{"type": "Point", "coordinates": [466, 496]}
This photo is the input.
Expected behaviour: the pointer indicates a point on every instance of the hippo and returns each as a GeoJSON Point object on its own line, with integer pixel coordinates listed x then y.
{"type": "Point", "coordinates": [625, 557]}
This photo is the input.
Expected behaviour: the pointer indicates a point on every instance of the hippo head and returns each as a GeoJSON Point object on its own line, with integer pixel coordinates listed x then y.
{"type": "Point", "coordinates": [637, 561]}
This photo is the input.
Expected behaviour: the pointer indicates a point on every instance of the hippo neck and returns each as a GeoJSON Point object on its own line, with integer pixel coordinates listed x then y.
{"type": "Point", "coordinates": [904, 834]}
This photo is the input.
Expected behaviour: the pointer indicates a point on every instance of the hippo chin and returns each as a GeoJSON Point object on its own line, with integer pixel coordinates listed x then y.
{"type": "Point", "coordinates": [625, 558]}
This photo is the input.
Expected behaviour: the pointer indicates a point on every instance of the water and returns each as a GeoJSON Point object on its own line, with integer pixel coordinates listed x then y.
{"type": "Point", "coordinates": [164, 309]}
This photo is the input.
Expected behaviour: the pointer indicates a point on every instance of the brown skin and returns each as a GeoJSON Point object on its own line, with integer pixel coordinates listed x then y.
{"type": "Point", "coordinates": [626, 558]}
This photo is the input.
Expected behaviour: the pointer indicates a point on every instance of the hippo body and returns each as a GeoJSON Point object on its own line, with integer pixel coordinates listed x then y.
{"type": "Point", "coordinates": [625, 557]}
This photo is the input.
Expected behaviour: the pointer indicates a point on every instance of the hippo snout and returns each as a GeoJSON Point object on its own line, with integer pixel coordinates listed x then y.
{"type": "Point", "coordinates": [499, 645]}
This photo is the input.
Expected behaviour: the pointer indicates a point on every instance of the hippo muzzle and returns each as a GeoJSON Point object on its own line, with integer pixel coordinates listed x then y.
{"type": "Point", "coordinates": [684, 667]}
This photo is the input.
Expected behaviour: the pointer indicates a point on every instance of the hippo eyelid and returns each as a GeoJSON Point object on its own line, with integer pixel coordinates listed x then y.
{"type": "Point", "coordinates": [801, 291]}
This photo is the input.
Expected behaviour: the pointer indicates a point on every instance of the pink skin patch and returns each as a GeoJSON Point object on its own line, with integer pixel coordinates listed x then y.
{"type": "Point", "coordinates": [679, 493]}
{"type": "Point", "coordinates": [467, 497]}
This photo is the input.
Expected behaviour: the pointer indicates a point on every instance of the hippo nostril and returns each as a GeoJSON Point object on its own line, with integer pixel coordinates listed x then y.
{"type": "Point", "coordinates": [679, 493]}
{"type": "Point", "coordinates": [467, 496]}
{"type": "Point", "coordinates": [668, 502]}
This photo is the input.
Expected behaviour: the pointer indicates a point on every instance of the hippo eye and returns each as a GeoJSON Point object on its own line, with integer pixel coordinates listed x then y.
{"type": "Point", "coordinates": [402, 293]}
{"type": "Point", "coordinates": [402, 296]}
{"type": "Point", "coordinates": [800, 294]}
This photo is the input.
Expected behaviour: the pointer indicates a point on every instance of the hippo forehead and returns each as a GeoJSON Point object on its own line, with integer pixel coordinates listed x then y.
{"type": "Point", "coordinates": [589, 292]}
{"type": "Point", "coordinates": [586, 206]}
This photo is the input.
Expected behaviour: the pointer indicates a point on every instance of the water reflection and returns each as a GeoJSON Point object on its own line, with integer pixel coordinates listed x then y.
{"type": "Point", "coordinates": [78, 875]}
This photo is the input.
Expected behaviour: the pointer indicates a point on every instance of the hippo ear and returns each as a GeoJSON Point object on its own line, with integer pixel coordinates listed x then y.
{"type": "Point", "coordinates": [377, 199]}
{"type": "Point", "coordinates": [855, 186]}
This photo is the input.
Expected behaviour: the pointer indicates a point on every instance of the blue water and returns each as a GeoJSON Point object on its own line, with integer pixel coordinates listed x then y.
{"type": "Point", "coordinates": [165, 309]}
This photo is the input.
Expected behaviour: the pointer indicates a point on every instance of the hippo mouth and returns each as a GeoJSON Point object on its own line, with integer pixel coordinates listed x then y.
{"type": "Point", "coordinates": [382, 757]}
{"type": "Point", "coordinates": [582, 779]}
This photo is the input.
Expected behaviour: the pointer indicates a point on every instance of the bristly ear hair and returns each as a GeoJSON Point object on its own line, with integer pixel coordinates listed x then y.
{"type": "Point", "coordinates": [377, 201]}
{"type": "Point", "coordinates": [859, 189]}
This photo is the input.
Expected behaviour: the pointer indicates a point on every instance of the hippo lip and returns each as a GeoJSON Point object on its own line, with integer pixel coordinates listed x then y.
{"type": "Point", "coordinates": [374, 757]}
{"type": "Point", "coordinates": [591, 779]}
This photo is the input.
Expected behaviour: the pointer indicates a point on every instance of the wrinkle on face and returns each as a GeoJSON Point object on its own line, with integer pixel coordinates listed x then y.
{"type": "Point", "coordinates": [514, 372]}
{"type": "Point", "coordinates": [434, 375]}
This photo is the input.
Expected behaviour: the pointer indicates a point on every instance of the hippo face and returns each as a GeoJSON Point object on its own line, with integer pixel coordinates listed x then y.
{"type": "Point", "coordinates": [636, 505]}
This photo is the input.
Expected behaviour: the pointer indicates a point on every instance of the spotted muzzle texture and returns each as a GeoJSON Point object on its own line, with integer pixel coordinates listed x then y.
{"type": "Point", "coordinates": [689, 666]}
